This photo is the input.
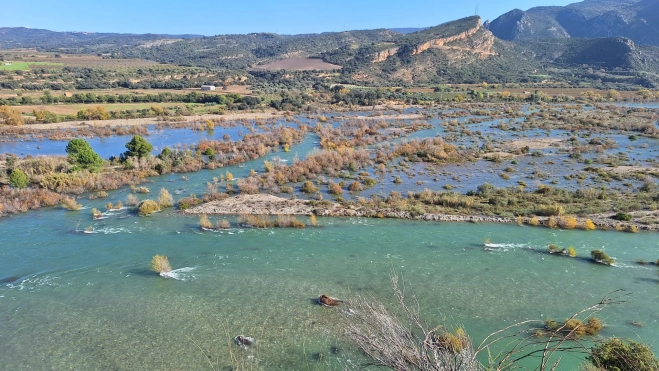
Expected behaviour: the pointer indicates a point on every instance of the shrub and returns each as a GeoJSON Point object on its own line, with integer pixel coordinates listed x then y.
{"type": "Point", "coordinates": [132, 200]}
{"type": "Point", "coordinates": [255, 221]}
{"type": "Point", "coordinates": [552, 223]}
{"type": "Point", "coordinates": [568, 222]}
{"type": "Point", "coordinates": [589, 225]}
{"type": "Point", "coordinates": [534, 221]}
{"type": "Point", "coordinates": [623, 217]}
{"type": "Point", "coordinates": [632, 229]}
{"type": "Point", "coordinates": [96, 213]}
{"type": "Point", "coordinates": [601, 257]}
{"type": "Point", "coordinates": [313, 220]}
{"type": "Point", "coordinates": [18, 179]}
{"type": "Point", "coordinates": [148, 207]}
{"type": "Point", "coordinates": [550, 210]}
{"type": "Point", "coordinates": [616, 354]}
{"type": "Point", "coordinates": [223, 224]}
{"type": "Point", "coordinates": [204, 222]}
{"type": "Point", "coordinates": [188, 202]}
{"type": "Point", "coordinates": [335, 189]}
{"type": "Point", "coordinates": [308, 187]}
{"type": "Point", "coordinates": [141, 189]}
{"type": "Point", "coordinates": [288, 221]}
{"type": "Point", "coordinates": [572, 252]}
{"type": "Point", "coordinates": [355, 187]}
{"type": "Point", "coordinates": [70, 204]}
{"type": "Point", "coordinates": [165, 199]}
{"type": "Point", "coordinates": [160, 264]}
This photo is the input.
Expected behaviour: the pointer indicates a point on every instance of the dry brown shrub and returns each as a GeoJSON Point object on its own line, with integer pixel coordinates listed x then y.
{"type": "Point", "coordinates": [148, 207]}
{"type": "Point", "coordinates": [165, 200]}
{"type": "Point", "coordinates": [160, 264]}
{"type": "Point", "coordinates": [71, 204]}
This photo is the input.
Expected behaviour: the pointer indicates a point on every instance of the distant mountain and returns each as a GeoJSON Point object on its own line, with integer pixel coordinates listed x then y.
{"type": "Point", "coordinates": [21, 37]}
{"type": "Point", "coordinates": [637, 20]}
{"type": "Point", "coordinates": [460, 51]}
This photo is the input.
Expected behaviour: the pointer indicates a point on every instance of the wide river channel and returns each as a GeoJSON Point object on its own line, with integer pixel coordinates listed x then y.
{"type": "Point", "coordinates": [87, 301]}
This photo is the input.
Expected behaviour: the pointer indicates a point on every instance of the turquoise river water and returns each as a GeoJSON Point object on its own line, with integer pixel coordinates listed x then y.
{"type": "Point", "coordinates": [87, 301]}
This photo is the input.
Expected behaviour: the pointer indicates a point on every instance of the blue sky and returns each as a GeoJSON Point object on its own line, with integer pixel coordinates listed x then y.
{"type": "Point", "coordinates": [214, 17]}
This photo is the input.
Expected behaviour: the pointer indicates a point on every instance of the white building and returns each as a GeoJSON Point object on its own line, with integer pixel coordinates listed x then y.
{"type": "Point", "coordinates": [207, 87]}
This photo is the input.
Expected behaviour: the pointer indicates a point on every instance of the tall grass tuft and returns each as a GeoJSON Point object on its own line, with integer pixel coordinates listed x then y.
{"type": "Point", "coordinates": [160, 264]}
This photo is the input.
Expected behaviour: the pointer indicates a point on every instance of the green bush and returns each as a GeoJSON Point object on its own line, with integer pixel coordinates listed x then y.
{"type": "Point", "coordinates": [18, 179]}
{"type": "Point", "coordinates": [618, 355]}
{"type": "Point", "coordinates": [623, 217]}
{"type": "Point", "coordinates": [601, 257]}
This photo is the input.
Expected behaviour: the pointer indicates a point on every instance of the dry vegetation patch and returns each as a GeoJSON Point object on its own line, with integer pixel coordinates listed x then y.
{"type": "Point", "coordinates": [299, 64]}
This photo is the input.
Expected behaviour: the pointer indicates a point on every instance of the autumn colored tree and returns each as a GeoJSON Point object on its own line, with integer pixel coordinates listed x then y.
{"type": "Point", "coordinates": [10, 116]}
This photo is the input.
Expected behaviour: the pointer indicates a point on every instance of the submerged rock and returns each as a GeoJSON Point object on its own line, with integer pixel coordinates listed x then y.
{"type": "Point", "coordinates": [244, 341]}
{"type": "Point", "coordinates": [328, 301]}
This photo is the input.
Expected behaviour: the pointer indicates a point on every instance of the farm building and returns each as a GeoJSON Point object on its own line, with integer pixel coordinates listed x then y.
{"type": "Point", "coordinates": [207, 87]}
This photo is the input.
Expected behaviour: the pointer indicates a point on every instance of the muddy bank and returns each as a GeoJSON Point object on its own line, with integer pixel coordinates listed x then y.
{"type": "Point", "coordinates": [262, 204]}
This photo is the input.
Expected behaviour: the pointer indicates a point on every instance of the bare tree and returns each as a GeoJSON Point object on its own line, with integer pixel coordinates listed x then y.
{"type": "Point", "coordinates": [407, 343]}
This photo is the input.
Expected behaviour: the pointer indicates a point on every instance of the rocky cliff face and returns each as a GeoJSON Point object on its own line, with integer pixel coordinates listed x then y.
{"type": "Point", "coordinates": [384, 55]}
{"type": "Point", "coordinates": [634, 19]}
{"type": "Point", "coordinates": [476, 40]}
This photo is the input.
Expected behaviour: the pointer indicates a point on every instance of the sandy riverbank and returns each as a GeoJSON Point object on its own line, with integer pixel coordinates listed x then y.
{"type": "Point", "coordinates": [262, 204]}
{"type": "Point", "coordinates": [232, 116]}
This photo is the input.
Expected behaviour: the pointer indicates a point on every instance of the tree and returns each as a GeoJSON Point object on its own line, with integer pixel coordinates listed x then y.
{"type": "Point", "coordinates": [18, 179]}
{"type": "Point", "coordinates": [83, 156]}
{"type": "Point", "coordinates": [618, 355]}
{"type": "Point", "coordinates": [138, 147]}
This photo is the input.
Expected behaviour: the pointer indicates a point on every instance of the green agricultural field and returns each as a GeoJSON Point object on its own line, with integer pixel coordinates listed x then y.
{"type": "Point", "coordinates": [15, 66]}
{"type": "Point", "coordinates": [25, 66]}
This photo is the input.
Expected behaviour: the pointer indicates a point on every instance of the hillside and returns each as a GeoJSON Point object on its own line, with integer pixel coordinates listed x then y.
{"type": "Point", "coordinates": [637, 20]}
{"type": "Point", "coordinates": [21, 37]}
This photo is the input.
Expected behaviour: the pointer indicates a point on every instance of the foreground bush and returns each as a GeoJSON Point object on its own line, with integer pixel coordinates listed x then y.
{"type": "Point", "coordinates": [618, 355]}
{"type": "Point", "coordinates": [148, 207]}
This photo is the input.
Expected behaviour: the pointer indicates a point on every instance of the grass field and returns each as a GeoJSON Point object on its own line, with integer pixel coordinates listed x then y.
{"type": "Point", "coordinates": [25, 66]}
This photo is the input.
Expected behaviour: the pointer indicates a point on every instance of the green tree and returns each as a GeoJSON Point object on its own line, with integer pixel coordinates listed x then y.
{"type": "Point", "coordinates": [138, 147]}
{"type": "Point", "coordinates": [618, 355]}
{"type": "Point", "coordinates": [18, 179]}
{"type": "Point", "coordinates": [83, 156]}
